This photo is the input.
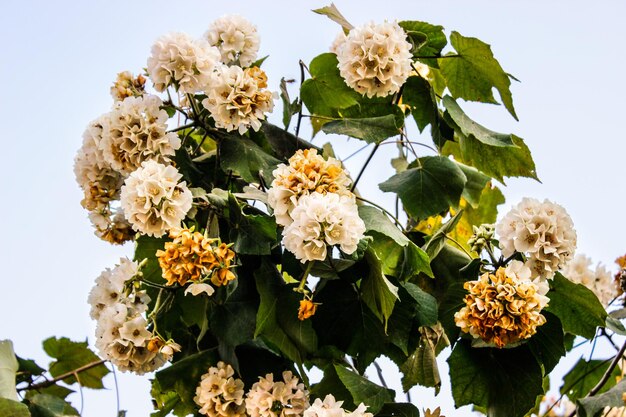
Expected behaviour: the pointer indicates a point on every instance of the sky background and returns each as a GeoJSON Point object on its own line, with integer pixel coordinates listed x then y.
{"type": "Point", "coordinates": [60, 57]}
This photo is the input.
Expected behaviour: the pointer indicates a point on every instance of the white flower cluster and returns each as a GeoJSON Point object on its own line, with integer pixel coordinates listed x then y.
{"type": "Point", "coordinates": [321, 220]}
{"type": "Point", "coordinates": [236, 38]}
{"type": "Point", "coordinates": [121, 331]}
{"type": "Point", "coordinates": [329, 407]}
{"type": "Point", "coordinates": [374, 59]}
{"type": "Point", "coordinates": [238, 98]}
{"type": "Point", "coordinates": [283, 398]}
{"type": "Point", "coordinates": [127, 85]}
{"type": "Point", "coordinates": [543, 231]}
{"type": "Point", "coordinates": [136, 131]}
{"type": "Point", "coordinates": [180, 60]}
{"type": "Point", "coordinates": [220, 394]}
{"type": "Point", "coordinates": [153, 199]}
{"type": "Point", "coordinates": [600, 281]}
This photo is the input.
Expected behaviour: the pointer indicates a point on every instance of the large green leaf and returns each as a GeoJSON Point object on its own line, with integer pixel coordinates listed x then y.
{"type": "Point", "coordinates": [426, 311]}
{"type": "Point", "coordinates": [70, 356]}
{"type": "Point", "coordinates": [437, 240]}
{"type": "Point", "coordinates": [251, 234]}
{"type": "Point", "coordinates": [399, 410]}
{"type": "Point", "coordinates": [433, 186]}
{"type": "Point", "coordinates": [376, 220]}
{"type": "Point", "coordinates": [8, 369]}
{"type": "Point", "coordinates": [547, 344]}
{"type": "Point", "coordinates": [576, 306]}
{"type": "Point", "coordinates": [505, 382]}
{"type": "Point", "coordinates": [496, 161]}
{"type": "Point", "coordinates": [326, 92]}
{"type": "Point", "coordinates": [10, 408]}
{"type": "Point", "coordinates": [428, 40]}
{"type": "Point", "coordinates": [474, 72]}
{"type": "Point", "coordinates": [378, 292]}
{"type": "Point", "coordinates": [585, 375]}
{"type": "Point", "coordinates": [44, 405]}
{"type": "Point", "coordinates": [246, 159]}
{"type": "Point", "coordinates": [145, 248]}
{"type": "Point", "coordinates": [363, 390]}
{"type": "Point", "coordinates": [283, 143]}
{"type": "Point", "coordinates": [370, 129]}
{"type": "Point", "coordinates": [420, 97]}
{"type": "Point", "coordinates": [470, 128]}
{"type": "Point", "coordinates": [592, 406]}
{"type": "Point", "coordinates": [476, 182]}
{"type": "Point", "coordinates": [421, 366]}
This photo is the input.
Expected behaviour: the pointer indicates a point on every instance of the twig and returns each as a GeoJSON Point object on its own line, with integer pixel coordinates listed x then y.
{"type": "Point", "coordinates": [395, 219]}
{"type": "Point", "coordinates": [369, 158]}
{"type": "Point", "coordinates": [380, 374]}
{"type": "Point", "coordinates": [459, 245]}
{"type": "Point", "coordinates": [183, 127]}
{"type": "Point", "coordinates": [300, 99]}
{"type": "Point", "coordinates": [50, 382]}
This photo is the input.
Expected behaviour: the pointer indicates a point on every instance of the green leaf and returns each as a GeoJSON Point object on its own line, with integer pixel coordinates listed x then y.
{"type": "Point", "coordinates": [506, 382]}
{"type": "Point", "coordinates": [289, 108]}
{"type": "Point", "coordinates": [364, 391]}
{"type": "Point", "coordinates": [333, 14]}
{"type": "Point", "coordinates": [435, 185]}
{"type": "Point", "coordinates": [547, 344]}
{"type": "Point", "coordinates": [576, 306]}
{"type": "Point", "coordinates": [10, 408]}
{"type": "Point", "coordinates": [426, 312]}
{"type": "Point", "coordinates": [475, 72]}
{"type": "Point", "coordinates": [421, 367]}
{"type": "Point", "coordinates": [251, 234]}
{"type": "Point", "coordinates": [476, 182]}
{"type": "Point", "coordinates": [326, 92]}
{"type": "Point", "coordinates": [497, 162]}
{"type": "Point", "coordinates": [437, 240]}
{"type": "Point", "coordinates": [419, 95]}
{"type": "Point", "coordinates": [44, 405]}
{"type": "Point", "coordinates": [376, 220]}
{"type": "Point", "coordinates": [592, 406]}
{"type": "Point", "coordinates": [246, 159]}
{"type": "Point", "coordinates": [379, 294]}
{"type": "Point", "coordinates": [283, 143]}
{"type": "Point", "coordinates": [146, 248]}
{"type": "Point", "coordinates": [71, 355]}
{"type": "Point", "coordinates": [428, 40]}
{"type": "Point", "coordinates": [369, 129]}
{"type": "Point", "coordinates": [8, 368]}
{"type": "Point", "coordinates": [585, 375]}
{"type": "Point", "coordinates": [487, 210]}
{"type": "Point", "coordinates": [399, 410]}
{"type": "Point", "coordinates": [470, 128]}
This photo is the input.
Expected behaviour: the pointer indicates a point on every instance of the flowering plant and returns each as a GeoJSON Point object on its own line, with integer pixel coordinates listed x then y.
{"type": "Point", "coordinates": [258, 260]}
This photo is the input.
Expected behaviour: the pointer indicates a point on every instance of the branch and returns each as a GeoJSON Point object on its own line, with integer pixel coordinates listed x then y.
{"type": "Point", "coordinates": [46, 384]}
{"type": "Point", "coordinates": [300, 98]}
{"type": "Point", "coordinates": [369, 158]}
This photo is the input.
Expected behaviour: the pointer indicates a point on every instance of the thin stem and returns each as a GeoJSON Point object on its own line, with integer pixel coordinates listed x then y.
{"type": "Point", "coordinates": [155, 285]}
{"type": "Point", "coordinates": [355, 152]}
{"type": "Point", "coordinates": [50, 382]}
{"type": "Point", "coordinates": [379, 371]}
{"type": "Point", "coordinates": [491, 255]}
{"type": "Point", "coordinates": [437, 57]}
{"type": "Point", "coordinates": [369, 158]}
{"type": "Point", "coordinates": [183, 127]}
{"type": "Point", "coordinates": [300, 99]}
{"type": "Point", "coordinates": [206, 135]}
{"type": "Point", "coordinates": [117, 390]}
{"type": "Point", "coordinates": [305, 275]}
{"type": "Point", "coordinates": [395, 219]}
{"type": "Point", "coordinates": [460, 246]}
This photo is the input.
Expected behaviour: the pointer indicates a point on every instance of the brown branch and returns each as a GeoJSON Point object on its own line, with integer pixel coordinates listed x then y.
{"type": "Point", "coordinates": [74, 373]}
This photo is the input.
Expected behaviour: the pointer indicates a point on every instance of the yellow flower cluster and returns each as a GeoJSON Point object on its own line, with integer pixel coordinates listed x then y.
{"type": "Point", "coordinates": [501, 309]}
{"type": "Point", "coordinates": [307, 309]}
{"type": "Point", "coordinates": [192, 256]}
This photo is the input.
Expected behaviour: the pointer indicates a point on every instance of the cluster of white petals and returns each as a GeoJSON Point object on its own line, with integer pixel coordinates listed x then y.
{"type": "Point", "coordinates": [283, 398]}
{"type": "Point", "coordinates": [178, 59]}
{"type": "Point", "coordinates": [220, 394]}
{"type": "Point", "coordinates": [153, 199]}
{"type": "Point", "coordinates": [543, 231]}
{"type": "Point", "coordinates": [322, 220]}
{"type": "Point", "coordinates": [238, 98]}
{"type": "Point", "coordinates": [375, 59]}
{"type": "Point", "coordinates": [121, 331]}
{"type": "Point", "coordinates": [329, 407]}
{"type": "Point", "coordinates": [306, 172]}
{"type": "Point", "coordinates": [236, 38]}
{"type": "Point", "coordinates": [136, 131]}
{"type": "Point", "coordinates": [598, 280]}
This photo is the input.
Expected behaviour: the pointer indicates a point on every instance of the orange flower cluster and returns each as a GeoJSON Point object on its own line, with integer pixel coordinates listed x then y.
{"type": "Point", "coordinates": [307, 309]}
{"type": "Point", "coordinates": [501, 309]}
{"type": "Point", "coordinates": [191, 256]}
{"type": "Point", "coordinates": [620, 276]}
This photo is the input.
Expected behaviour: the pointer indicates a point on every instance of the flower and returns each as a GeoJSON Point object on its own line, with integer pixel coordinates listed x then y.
{"type": "Point", "coordinates": [136, 131]}
{"type": "Point", "coordinates": [283, 398]}
{"type": "Point", "coordinates": [375, 60]}
{"type": "Point", "coordinates": [338, 43]}
{"type": "Point", "coordinates": [198, 288]}
{"type": "Point", "coordinates": [192, 256]}
{"type": "Point", "coordinates": [503, 307]}
{"type": "Point", "coordinates": [307, 309]}
{"type": "Point", "coordinates": [110, 285]}
{"type": "Point", "coordinates": [219, 394]}
{"type": "Point", "coordinates": [307, 172]}
{"type": "Point", "coordinates": [600, 281]}
{"type": "Point", "coordinates": [153, 199]}
{"type": "Point", "coordinates": [542, 231]}
{"type": "Point", "coordinates": [236, 38]}
{"type": "Point", "coordinates": [330, 407]}
{"type": "Point", "coordinates": [127, 85]}
{"type": "Point", "coordinates": [179, 60]}
{"type": "Point", "coordinates": [238, 98]}
{"type": "Point", "coordinates": [111, 226]}
{"type": "Point", "coordinates": [320, 220]}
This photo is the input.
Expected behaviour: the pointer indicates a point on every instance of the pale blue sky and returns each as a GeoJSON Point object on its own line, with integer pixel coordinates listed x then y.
{"type": "Point", "coordinates": [59, 59]}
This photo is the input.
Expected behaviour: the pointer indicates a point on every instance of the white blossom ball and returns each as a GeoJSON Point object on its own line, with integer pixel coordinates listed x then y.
{"type": "Point", "coordinates": [375, 59]}
{"type": "Point", "coordinates": [154, 200]}
{"type": "Point", "coordinates": [543, 231]}
{"type": "Point", "coordinates": [236, 38]}
{"type": "Point", "coordinates": [186, 63]}
{"type": "Point", "coordinates": [598, 280]}
{"type": "Point", "coordinates": [321, 220]}
{"type": "Point", "coordinates": [110, 285]}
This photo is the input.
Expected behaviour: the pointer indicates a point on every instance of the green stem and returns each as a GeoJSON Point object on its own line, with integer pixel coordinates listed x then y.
{"type": "Point", "coordinates": [460, 246]}
{"type": "Point", "coordinates": [305, 275]}
{"type": "Point", "coordinates": [183, 127]}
